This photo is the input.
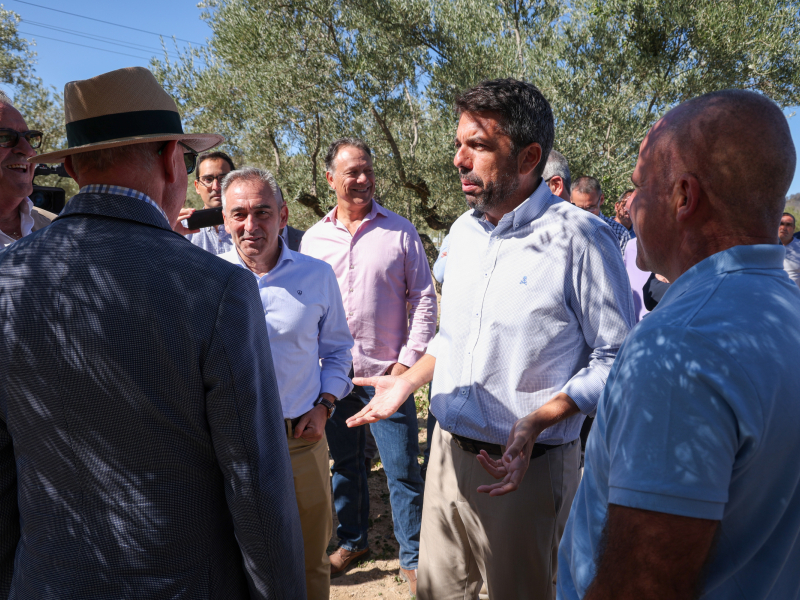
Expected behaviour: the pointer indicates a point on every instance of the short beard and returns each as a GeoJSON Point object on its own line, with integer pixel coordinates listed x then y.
{"type": "Point", "coordinates": [494, 193]}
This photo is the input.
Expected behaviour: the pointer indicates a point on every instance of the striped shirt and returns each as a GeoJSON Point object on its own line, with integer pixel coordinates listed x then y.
{"type": "Point", "coordinates": [535, 306]}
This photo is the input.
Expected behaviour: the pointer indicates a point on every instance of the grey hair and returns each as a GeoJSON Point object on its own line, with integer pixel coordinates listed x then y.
{"type": "Point", "coordinates": [252, 174]}
{"type": "Point", "coordinates": [586, 185]}
{"type": "Point", "coordinates": [557, 165]}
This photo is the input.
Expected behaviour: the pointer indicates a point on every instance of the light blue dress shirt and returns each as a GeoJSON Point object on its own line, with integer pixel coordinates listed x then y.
{"type": "Point", "coordinates": [538, 305]}
{"type": "Point", "coordinates": [700, 419]}
{"type": "Point", "coordinates": [441, 261]}
{"type": "Point", "coordinates": [308, 331]}
{"type": "Point", "coordinates": [217, 242]}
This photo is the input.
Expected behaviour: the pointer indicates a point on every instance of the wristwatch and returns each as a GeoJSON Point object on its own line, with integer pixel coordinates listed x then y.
{"type": "Point", "coordinates": [326, 403]}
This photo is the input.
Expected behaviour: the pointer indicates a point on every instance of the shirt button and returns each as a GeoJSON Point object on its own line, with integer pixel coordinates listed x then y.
{"type": "Point", "coordinates": [351, 289]}
{"type": "Point", "coordinates": [352, 266]}
{"type": "Point", "coordinates": [351, 314]}
{"type": "Point", "coordinates": [463, 392]}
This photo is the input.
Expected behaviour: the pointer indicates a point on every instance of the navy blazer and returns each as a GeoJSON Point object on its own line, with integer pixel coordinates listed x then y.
{"type": "Point", "coordinates": [142, 447]}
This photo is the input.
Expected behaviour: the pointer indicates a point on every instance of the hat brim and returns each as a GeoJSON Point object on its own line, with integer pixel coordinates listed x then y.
{"type": "Point", "coordinates": [199, 142]}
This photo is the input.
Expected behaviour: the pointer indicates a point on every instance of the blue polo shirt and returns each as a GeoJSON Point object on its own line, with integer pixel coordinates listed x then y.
{"type": "Point", "coordinates": [700, 417]}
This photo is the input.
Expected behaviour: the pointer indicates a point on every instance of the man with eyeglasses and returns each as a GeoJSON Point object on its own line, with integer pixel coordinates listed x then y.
{"type": "Point", "coordinates": [791, 264]}
{"type": "Point", "coordinates": [18, 216]}
{"type": "Point", "coordinates": [212, 167]}
{"type": "Point", "coordinates": [142, 442]}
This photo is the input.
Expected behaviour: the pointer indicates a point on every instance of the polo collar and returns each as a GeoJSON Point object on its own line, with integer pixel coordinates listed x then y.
{"type": "Point", "coordinates": [738, 258]}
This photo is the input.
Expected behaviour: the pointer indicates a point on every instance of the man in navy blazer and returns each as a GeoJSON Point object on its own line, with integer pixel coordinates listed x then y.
{"type": "Point", "coordinates": [142, 453]}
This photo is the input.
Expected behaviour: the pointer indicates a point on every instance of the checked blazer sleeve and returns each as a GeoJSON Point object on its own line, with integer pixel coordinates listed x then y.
{"type": "Point", "coordinates": [246, 423]}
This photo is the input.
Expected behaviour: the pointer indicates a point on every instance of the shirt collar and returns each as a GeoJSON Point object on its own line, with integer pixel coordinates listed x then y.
{"type": "Point", "coordinates": [522, 215]}
{"type": "Point", "coordinates": [738, 258]}
{"type": "Point", "coordinates": [102, 188]}
{"type": "Point", "coordinates": [284, 255]}
{"type": "Point", "coordinates": [375, 210]}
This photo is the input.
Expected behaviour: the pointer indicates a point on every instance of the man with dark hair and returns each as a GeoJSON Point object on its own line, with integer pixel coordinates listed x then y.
{"type": "Point", "coordinates": [556, 175]}
{"type": "Point", "coordinates": [587, 194]}
{"type": "Point", "coordinates": [792, 245]}
{"type": "Point", "coordinates": [18, 216]}
{"type": "Point", "coordinates": [622, 216]}
{"type": "Point", "coordinates": [390, 302]}
{"type": "Point", "coordinates": [535, 307]}
{"type": "Point", "coordinates": [690, 488]}
{"type": "Point", "coordinates": [212, 167]}
{"type": "Point", "coordinates": [141, 446]}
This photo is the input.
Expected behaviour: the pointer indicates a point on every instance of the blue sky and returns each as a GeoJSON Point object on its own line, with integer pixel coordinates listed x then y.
{"type": "Point", "coordinates": [60, 62]}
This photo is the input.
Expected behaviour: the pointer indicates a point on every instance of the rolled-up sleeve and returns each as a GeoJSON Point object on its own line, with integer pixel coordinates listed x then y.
{"type": "Point", "coordinates": [335, 343]}
{"type": "Point", "coordinates": [603, 302]}
{"type": "Point", "coordinates": [421, 298]}
{"type": "Point", "coordinates": [246, 424]}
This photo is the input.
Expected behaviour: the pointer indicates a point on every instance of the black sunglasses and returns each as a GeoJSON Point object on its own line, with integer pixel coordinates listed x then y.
{"type": "Point", "coordinates": [189, 157]}
{"type": "Point", "coordinates": [9, 138]}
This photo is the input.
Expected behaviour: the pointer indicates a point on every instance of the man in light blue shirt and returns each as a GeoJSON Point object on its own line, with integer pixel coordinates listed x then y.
{"type": "Point", "coordinates": [535, 307]}
{"type": "Point", "coordinates": [691, 487]}
{"type": "Point", "coordinates": [310, 343]}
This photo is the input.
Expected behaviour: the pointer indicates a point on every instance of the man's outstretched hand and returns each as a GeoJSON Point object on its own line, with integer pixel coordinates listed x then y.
{"type": "Point", "coordinates": [390, 393]}
{"type": "Point", "coordinates": [512, 465]}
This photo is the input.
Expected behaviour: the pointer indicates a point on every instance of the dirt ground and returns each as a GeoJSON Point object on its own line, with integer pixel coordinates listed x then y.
{"type": "Point", "coordinates": [378, 576]}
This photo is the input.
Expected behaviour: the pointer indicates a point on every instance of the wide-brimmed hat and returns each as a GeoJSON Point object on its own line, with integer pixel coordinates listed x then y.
{"type": "Point", "coordinates": [119, 108]}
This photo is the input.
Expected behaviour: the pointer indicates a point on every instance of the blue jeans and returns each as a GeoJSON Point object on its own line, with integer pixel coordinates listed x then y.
{"type": "Point", "coordinates": [398, 446]}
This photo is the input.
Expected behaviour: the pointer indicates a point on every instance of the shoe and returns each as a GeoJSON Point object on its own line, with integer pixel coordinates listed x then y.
{"type": "Point", "coordinates": [411, 578]}
{"type": "Point", "coordinates": [341, 559]}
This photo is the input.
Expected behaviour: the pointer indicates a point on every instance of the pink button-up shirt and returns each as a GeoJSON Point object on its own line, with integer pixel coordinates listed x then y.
{"type": "Point", "coordinates": [386, 286]}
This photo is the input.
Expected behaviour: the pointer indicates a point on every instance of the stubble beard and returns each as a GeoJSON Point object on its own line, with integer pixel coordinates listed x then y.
{"type": "Point", "coordinates": [493, 194]}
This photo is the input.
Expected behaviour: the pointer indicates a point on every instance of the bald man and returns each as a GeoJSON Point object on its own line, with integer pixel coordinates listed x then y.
{"type": "Point", "coordinates": [691, 487]}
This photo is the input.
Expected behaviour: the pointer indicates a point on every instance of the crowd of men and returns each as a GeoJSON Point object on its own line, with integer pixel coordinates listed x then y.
{"type": "Point", "coordinates": [170, 397]}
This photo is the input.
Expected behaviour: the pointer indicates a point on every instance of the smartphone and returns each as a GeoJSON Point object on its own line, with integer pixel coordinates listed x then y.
{"type": "Point", "coordinates": [204, 218]}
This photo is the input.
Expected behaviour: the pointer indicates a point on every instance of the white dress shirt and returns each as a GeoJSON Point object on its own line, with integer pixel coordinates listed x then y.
{"type": "Point", "coordinates": [538, 305]}
{"type": "Point", "coordinates": [308, 332]}
{"type": "Point", "coordinates": [25, 223]}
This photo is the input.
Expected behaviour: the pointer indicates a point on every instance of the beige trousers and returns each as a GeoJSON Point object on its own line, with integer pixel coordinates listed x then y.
{"type": "Point", "coordinates": [509, 542]}
{"type": "Point", "coordinates": [312, 487]}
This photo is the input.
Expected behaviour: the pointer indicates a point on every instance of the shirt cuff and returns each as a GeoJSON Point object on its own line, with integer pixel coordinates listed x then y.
{"type": "Point", "coordinates": [336, 387]}
{"type": "Point", "coordinates": [408, 357]}
{"type": "Point", "coordinates": [585, 390]}
{"type": "Point", "coordinates": [672, 505]}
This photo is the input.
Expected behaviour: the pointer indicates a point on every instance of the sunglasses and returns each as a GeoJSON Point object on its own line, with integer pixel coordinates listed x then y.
{"type": "Point", "coordinates": [9, 138]}
{"type": "Point", "coordinates": [189, 156]}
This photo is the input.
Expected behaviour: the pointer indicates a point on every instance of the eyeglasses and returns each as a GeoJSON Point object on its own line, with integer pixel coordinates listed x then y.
{"type": "Point", "coordinates": [189, 157]}
{"type": "Point", "coordinates": [9, 138]}
{"type": "Point", "coordinates": [208, 180]}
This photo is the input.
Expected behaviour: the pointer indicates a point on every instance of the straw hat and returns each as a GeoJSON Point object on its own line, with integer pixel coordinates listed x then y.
{"type": "Point", "coordinates": [119, 108]}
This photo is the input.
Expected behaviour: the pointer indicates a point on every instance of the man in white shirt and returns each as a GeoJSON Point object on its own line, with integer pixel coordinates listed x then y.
{"type": "Point", "coordinates": [18, 216]}
{"type": "Point", "coordinates": [791, 263]}
{"type": "Point", "coordinates": [310, 343]}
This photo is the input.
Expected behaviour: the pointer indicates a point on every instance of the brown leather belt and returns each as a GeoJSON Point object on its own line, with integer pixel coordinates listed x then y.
{"type": "Point", "coordinates": [475, 446]}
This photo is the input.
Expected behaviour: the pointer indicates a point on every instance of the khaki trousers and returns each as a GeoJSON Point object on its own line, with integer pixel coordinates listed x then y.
{"type": "Point", "coordinates": [509, 542]}
{"type": "Point", "coordinates": [312, 487]}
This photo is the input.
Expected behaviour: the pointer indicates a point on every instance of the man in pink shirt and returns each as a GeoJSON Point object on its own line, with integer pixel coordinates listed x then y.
{"type": "Point", "coordinates": [390, 305]}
